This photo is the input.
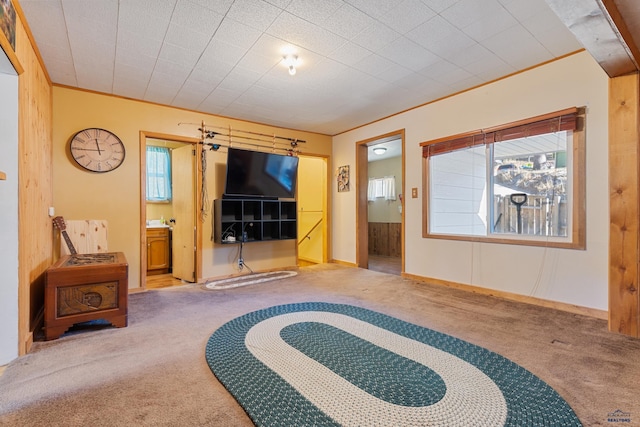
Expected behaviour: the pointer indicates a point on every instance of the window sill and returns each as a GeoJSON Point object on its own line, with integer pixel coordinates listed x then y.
{"type": "Point", "coordinates": [547, 243]}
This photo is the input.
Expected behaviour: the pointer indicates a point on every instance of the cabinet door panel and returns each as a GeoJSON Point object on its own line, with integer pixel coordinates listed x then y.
{"type": "Point", "coordinates": [157, 253]}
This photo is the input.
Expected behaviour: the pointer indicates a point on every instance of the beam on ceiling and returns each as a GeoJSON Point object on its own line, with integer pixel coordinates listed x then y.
{"type": "Point", "coordinates": [598, 25]}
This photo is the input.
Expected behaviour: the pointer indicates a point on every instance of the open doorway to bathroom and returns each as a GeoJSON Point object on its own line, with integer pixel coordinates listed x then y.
{"type": "Point", "coordinates": [379, 209]}
{"type": "Point", "coordinates": [169, 207]}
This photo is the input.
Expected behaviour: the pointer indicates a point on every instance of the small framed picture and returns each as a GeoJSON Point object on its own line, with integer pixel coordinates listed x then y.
{"type": "Point", "coordinates": [8, 22]}
{"type": "Point", "coordinates": [343, 178]}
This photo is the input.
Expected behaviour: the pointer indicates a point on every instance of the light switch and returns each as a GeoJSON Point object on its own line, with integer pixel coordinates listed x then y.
{"type": "Point", "coordinates": [414, 193]}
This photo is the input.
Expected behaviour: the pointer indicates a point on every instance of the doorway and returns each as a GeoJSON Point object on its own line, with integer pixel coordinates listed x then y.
{"type": "Point", "coordinates": [313, 210]}
{"type": "Point", "coordinates": [380, 185]}
{"type": "Point", "coordinates": [171, 241]}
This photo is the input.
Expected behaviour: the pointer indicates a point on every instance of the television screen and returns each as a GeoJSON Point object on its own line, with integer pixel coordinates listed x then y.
{"type": "Point", "coordinates": [259, 174]}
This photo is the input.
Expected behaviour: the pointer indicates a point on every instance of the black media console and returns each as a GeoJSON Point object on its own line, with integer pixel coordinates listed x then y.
{"type": "Point", "coordinates": [254, 220]}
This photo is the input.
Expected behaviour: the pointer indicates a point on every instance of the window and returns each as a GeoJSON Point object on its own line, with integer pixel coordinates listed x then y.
{"type": "Point", "coordinates": [158, 174]}
{"type": "Point", "coordinates": [519, 183]}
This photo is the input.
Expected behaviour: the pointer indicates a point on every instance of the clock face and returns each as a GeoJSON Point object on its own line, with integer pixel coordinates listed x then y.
{"type": "Point", "coordinates": [97, 150]}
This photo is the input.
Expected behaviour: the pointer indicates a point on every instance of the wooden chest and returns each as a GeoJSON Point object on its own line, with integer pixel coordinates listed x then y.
{"type": "Point", "coordinates": [84, 287]}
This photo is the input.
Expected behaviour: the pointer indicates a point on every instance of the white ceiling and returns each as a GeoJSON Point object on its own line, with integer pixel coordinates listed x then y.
{"type": "Point", "coordinates": [362, 60]}
{"type": "Point", "coordinates": [392, 146]}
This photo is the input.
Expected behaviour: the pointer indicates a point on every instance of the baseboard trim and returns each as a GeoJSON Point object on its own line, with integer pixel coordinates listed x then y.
{"type": "Point", "coordinates": [570, 308]}
{"type": "Point", "coordinates": [345, 263]}
{"type": "Point", "coordinates": [27, 343]}
{"type": "Point", "coordinates": [314, 261]}
{"type": "Point", "coordinates": [38, 325]}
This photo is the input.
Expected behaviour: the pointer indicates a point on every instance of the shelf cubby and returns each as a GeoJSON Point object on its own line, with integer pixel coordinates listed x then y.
{"type": "Point", "coordinates": [251, 210]}
{"type": "Point", "coordinates": [288, 230]}
{"type": "Point", "coordinates": [288, 210]}
{"type": "Point", "coordinates": [270, 210]}
{"type": "Point", "coordinates": [271, 230]}
{"type": "Point", "coordinates": [231, 212]}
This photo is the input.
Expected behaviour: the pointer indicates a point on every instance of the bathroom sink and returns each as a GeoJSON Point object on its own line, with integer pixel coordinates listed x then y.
{"type": "Point", "coordinates": [156, 223]}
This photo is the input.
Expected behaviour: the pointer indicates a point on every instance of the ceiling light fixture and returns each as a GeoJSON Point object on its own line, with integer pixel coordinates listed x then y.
{"type": "Point", "coordinates": [379, 150]}
{"type": "Point", "coordinates": [291, 61]}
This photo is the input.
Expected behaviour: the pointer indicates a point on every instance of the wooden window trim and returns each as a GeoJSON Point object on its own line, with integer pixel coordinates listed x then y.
{"type": "Point", "coordinates": [579, 216]}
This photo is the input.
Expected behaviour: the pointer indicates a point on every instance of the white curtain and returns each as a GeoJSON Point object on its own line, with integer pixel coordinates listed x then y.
{"type": "Point", "coordinates": [389, 188]}
{"type": "Point", "coordinates": [381, 188]}
{"type": "Point", "coordinates": [371, 190]}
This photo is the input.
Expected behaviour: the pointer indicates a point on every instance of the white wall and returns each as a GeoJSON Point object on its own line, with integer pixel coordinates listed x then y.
{"type": "Point", "coordinates": [9, 218]}
{"type": "Point", "coordinates": [571, 276]}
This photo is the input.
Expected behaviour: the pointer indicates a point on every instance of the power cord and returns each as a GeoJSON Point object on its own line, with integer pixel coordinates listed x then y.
{"type": "Point", "coordinates": [241, 263]}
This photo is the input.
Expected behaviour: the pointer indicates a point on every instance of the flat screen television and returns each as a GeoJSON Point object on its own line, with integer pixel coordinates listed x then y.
{"type": "Point", "coordinates": [259, 174]}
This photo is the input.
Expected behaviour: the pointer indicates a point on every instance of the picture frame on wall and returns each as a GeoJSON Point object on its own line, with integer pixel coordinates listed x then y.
{"type": "Point", "coordinates": [343, 178]}
{"type": "Point", "coordinates": [8, 22]}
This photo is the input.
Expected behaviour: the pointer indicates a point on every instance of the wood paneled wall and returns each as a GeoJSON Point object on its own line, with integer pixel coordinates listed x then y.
{"type": "Point", "coordinates": [35, 229]}
{"type": "Point", "coordinates": [624, 230]}
{"type": "Point", "coordinates": [385, 239]}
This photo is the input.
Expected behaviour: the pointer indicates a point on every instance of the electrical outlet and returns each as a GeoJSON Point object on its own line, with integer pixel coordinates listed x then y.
{"type": "Point", "coordinates": [414, 193]}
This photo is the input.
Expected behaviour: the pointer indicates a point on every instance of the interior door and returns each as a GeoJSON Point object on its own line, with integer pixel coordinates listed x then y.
{"type": "Point", "coordinates": [312, 215]}
{"type": "Point", "coordinates": [184, 211]}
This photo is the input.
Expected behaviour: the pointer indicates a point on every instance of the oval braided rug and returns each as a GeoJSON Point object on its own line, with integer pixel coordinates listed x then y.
{"type": "Point", "coordinates": [322, 364]}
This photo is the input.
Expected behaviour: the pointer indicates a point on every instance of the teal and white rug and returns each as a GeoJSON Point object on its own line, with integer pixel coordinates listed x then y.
{"type": "Point", "coordinates": [322, 364]}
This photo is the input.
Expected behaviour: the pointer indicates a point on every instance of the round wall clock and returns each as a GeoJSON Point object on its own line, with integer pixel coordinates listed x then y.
{"type": "Point", "coordinates": [97, 150]}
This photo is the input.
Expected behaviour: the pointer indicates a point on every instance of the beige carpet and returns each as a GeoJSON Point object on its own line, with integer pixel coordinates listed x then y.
{"type": "Point", "coordinates": [154, 372]}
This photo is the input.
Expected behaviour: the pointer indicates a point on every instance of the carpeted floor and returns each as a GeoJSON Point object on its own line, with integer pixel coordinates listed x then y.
{"type": "Point", "coordinates": [154, 371]}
